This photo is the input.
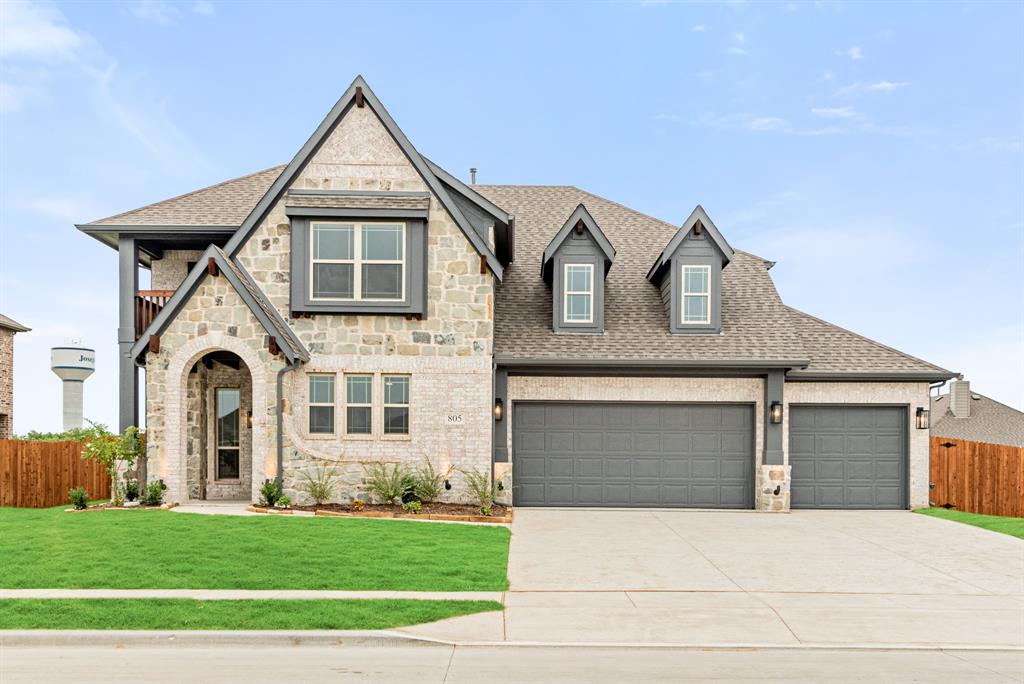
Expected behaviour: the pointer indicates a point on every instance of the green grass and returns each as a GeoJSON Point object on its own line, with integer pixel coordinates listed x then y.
{"type": "Point", "coordinates": [997, 523]}
{"type": "Point", "coordinates": [166, 550]}
{"type": "Point", "coordinates": [257, 614]}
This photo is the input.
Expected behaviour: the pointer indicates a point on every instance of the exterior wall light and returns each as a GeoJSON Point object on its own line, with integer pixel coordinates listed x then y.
{"type": "Point", "coordinates": [775, 412]}
{"type": "Point", "coordinates": [447, 485]}
{"type": "Point", "coordinates": [499, 409]}
{"type": "Point", "coordinates": [921, 418]}
{"type": "Point", "coordinates": [248, 419]}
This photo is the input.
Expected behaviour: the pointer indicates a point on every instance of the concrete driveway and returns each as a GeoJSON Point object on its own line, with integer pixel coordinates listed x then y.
{"type": "Point", "coordinates": [823, 578]}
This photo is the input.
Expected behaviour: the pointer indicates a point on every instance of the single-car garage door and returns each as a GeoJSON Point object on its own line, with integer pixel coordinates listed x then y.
{"type": "Point", "coordinates": [633, 454]}
{"type": "Point", "coordinates": [848, 456]}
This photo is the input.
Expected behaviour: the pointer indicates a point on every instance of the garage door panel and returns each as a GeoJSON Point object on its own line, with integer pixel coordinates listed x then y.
{"type": "Point", "coordinates": [637, 454]}
{"type": "Point", "coordinates": [847, 456]}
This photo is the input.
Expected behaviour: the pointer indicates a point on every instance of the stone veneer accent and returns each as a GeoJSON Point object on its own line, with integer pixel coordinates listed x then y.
{"type": "Point", "coordinates": [909, 394]}
{"type": "Point", "coordinates": [169, 272]}
{"type": "Point", "coordinates": [201, 426]}
{"type": "Point", "coordinates": [6, 383]}
{"type": "Point", "coordinates": [771, 492]}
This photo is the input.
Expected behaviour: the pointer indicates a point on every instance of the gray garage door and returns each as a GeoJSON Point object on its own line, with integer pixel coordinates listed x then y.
{"type": "Point", "coordinates": [848, 456]}
{"type": "Point", "coordinates": [608, 454]}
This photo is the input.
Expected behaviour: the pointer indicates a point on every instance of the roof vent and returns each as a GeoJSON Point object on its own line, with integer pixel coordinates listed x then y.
{"type": "Point", "coordinates": [472, 175]}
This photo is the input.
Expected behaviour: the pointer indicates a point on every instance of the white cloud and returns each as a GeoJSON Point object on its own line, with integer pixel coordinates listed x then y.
{"type": "Point", "coordinates": [860, 88]}
{"type": "Point", "coordinates": [699, 28]}
{"type": "Point", "coordinates": [766, 123]}
{"type": "Point", "coordinates": [737, 50]}
{"type": "Point", "coordinates": [827, 76]}
{"type": "Point", "coordinates": [835, 112]}
{"type": "Point", "coordinates": [854, 53]}
{"type": "Point", "coordinates": [739, 38]}
{"type": "Point", "coordinates": [888, 86]}
{"type": "Point", "coordinates": [35, 32]}
{"type": "Point", "coordinates": [667, 117]}
{"type": "Point", "coordinates": [156, 11]}
{"type": "Point", "coordinates": [204, 8]}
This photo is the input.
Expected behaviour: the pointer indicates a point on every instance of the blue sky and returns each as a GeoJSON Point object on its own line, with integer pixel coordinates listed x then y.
{"type": "Point", "coordinates": [876, 152]}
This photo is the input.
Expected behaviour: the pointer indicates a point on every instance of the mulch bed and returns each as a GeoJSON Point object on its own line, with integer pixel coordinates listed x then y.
{"type": "Point", "coordinates": [112, 507]}
{"type": "Point", "coordinates": [435, 508]}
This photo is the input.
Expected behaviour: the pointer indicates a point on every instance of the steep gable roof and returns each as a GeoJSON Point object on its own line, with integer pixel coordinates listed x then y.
{"type": "Point", "coordinates": [579, 217]}
{"type": "Point", "coordinates": [358, 95]}
{"type": "Point", "coordinates": [698, 215]}
{"type": "Point", "coordinates": [247, 289]}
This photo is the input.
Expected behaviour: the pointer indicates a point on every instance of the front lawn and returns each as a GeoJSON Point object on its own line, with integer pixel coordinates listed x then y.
{"type": "Point", "coordinates": [997, 523]}
{"type": "Point", "coordinates": [48, 548]}
{"type": "Point", "coordinates": [258, 614]}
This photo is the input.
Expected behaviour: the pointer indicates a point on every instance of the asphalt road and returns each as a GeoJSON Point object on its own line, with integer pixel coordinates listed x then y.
{"type": "Point", "coordinates": [439, 664]}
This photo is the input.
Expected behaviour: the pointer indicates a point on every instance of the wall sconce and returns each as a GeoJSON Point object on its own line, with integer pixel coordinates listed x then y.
{"type": "Point", "coordinates": [447, 485]}
{"type": "Point", "coordinates": [775, 412]}
{"type": "Point", "coordinates": [499, 409]}
{"type": "Point", "coordinates": [248, 419]}
{"type": "Point", "coordinates": [921, 418]}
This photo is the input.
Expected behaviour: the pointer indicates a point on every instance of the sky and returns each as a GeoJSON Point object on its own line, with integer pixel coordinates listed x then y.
{"type": "Point", "coordinates": [874, 151]}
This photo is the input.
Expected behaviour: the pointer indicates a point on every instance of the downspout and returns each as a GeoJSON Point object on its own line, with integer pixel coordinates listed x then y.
{"type": "Point", "coordinates": [289, 367]}
{"type": "Point", "coordinates": [937, 386]}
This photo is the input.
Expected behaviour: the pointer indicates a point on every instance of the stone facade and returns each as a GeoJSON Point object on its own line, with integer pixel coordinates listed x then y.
{"type": "Point", "coordinates": [6, 383]}
{"type": "Point", "coordinates": [169, 272]}
{"type": "Point", "coordinates": [447, 354]}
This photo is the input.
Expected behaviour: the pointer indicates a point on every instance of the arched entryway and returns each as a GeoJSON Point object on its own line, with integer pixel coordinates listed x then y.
{"type": "Point", "coordinates": [218, 428]}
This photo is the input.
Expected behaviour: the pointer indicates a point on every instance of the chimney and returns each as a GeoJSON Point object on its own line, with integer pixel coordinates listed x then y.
{"type": "Point", "coordinates": [960, 398]}
{"type": "Point", "coordinates": [472, 175]}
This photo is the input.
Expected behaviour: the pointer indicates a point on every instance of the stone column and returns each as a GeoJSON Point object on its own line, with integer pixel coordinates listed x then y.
{"type": "Point", "coordinates": [772, 487]}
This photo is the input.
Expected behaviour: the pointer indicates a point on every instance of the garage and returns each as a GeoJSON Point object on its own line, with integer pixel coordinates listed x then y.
{"type": "Point", "coordinates": [670, 455]}
{"type": "Point", "coordinates": [848, 456]}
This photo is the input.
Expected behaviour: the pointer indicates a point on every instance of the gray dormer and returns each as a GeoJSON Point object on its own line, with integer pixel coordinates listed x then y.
{"type": "Point", "coordinates": [575, 264]}
{"type": "Point", "coordinates": [689, 273]}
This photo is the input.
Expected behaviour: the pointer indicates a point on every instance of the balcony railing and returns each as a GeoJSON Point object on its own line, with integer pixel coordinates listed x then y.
{"type": "Point", "coordinates": [148, 304]}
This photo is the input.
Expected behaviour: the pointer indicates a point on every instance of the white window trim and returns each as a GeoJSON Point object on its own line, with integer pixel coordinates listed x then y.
{"type": "Point", "coordinates": [684, 294]}
{"type": "Point", "coordinates": [373, 394]}
{"type": "Point", "coordinates": [385, 405]}
{"type": "Point", "coordinates": [310, 404]}
{"type": "Point", "coordinates": [566, 292]}
{"type": "Point", "coordinates": [216, 437]}
{"type": "Point", "coordinates": [357, 260]}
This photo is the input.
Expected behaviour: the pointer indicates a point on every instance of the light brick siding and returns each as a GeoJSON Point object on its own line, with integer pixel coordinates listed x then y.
{"type": "Point", "coordinates": [169, 272]}
{"type": "Point", "coordinates": [447, 354]}
{"type": "Point", "coordinates": [911, 395]}
{"type": "Point", "coordinates": [201, 437]}
{"type": "Point", "coordinates": [6, 383]}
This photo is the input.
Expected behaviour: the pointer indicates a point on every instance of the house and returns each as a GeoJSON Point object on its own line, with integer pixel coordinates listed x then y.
{"type": "Point", "coordinates": [963, 414]}
{"type": "Point", "coordinates": [362, 304]}
{"type": "Point", "coordinates": [8, 329]}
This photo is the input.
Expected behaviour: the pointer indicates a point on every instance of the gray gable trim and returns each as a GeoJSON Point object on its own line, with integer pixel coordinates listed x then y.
{"type": "Point", "coordinates": [698, 214]}
{"type": "Point", "coordinates": [320, 134]}
{"type": "Point", "coordinates": [579, 214]}
{"type": "Point", "coordinates": [109, 234]}
{"type": "Point", "coordinates": [246, 288]}
{"type": "Point", "coordinates": [469, 193]}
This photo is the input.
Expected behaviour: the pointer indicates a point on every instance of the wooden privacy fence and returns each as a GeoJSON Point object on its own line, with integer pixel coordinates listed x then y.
{"type": "Point", "coordinates": [39, 474]}
{"type": "Point", "coordinates": [977, 477]}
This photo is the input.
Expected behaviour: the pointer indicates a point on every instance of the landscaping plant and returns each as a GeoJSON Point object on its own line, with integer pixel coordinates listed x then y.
{"type": "Point", "coordinates": [79, 498]}
{"type": "Point", "coordinates": [483, 489]}
{"type": "Point", "coordinates": [412, 507]}
{"type": "Point", "coordinates": [115, 452]}
{"type": "Point", "coordinates": [154, 494]}
{"type": "Point", "coordinates": [270, 492]}
{"type": "Point", "coordinates": [386, 483]}
{"type": "Point", "coordinates": [321, 487]}
{"type": "Point", "coordinates": [357, 505]}
{"type": "Point", "coordinates": [131, 489]}
{"type": "Point", "coordinates": [428, 483]}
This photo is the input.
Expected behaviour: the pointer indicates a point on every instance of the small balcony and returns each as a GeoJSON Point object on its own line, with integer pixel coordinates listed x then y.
{"type": "Point", "coordinates": [148, 303]}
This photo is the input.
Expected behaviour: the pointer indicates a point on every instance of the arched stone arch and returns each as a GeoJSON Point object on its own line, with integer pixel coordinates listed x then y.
{"type": "Point", "coordinates": [175, 408]}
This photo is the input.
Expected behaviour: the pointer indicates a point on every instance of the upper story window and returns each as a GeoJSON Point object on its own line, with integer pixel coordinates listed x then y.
{"type": "Point", "coordinates": [579, 293]}
{"type": "Point", "coordinates": [357, 261]}
{"type": "Point", "coordinates": [696, 299]}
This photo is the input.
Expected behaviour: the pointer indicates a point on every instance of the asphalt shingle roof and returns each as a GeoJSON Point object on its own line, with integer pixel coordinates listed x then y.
{"type": "Point", "coordinates": [989, 421]}
{"type": "Point", "coordinates": [357, 202]}
{"type": "Point", "coordinates": [11, 324]}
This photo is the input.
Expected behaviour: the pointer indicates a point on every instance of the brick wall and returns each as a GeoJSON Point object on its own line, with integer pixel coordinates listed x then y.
{"type": "Point", "coordinates": [6, 383]}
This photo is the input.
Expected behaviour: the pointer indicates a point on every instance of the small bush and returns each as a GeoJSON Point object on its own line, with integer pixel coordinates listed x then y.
{"type": "Point", "coordinates": [321, 486]}
{"type": "Point", "coordinates": [409, 489]}
{"type": "Point", "coordinates": [284, 501]}
{"type": "Point", "coordinates": [79, 498]}
{"type": "Point", "coordinates": [386, 483]}
{"type": "Point", "coordinates": [74, 435]}
{"type": "Point", "coordinates": [428, 483]}
{"type": "Point", "coordinates": [357, 505]}
{"type": "Point", "coordinates": [131, 490]}
{"type": "Point", "coordinates": [154, 493]}
{"type": "Point", "coordinates": [412, 507]}
{"type": "Point", "coordinates": [483, 489]}
{"type": "Point", "coordinates": [270, 492]}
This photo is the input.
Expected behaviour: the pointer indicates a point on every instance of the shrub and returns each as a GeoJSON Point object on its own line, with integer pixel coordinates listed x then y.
{"type": "Point", "coordinates": [131, 490]}
{"type": "Point", "coordinates": [270, 492]}
{"type": "Point", "coordinates": [409, 489]}
{"type": "Point", "coordinates": [283, 502]}
{"type": "Point", "coordinates": [483, 489]}
{"type": "Point", "coordinates": [113, 451]}
{"type": "Point", "coordinates": [321, 487]}
{"type": "Point", "coordinates": [357, 505]}
{"type": "Point", "coordinates": [74, 435]}
{"type": "Point", "coordinates": [154, 493]}
{"type": "Point", "coordinates": [429, 483]}
{"type": "Point", "coordinates": [79, 498]}
{"type": "Point", "coordinates": [412, 507]}
{"type": "Point", "coordinates": [386, 483]}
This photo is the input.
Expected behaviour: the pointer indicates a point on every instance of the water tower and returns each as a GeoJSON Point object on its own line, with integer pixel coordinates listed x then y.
{"type": "Point", "coordinates": [72, 365]}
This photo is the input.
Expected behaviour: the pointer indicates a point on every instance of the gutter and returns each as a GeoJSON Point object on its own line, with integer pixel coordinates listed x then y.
{"type": "Point", "coordinates": [512, 361]}
{"type": "Point", "coordinates": [288, 368]}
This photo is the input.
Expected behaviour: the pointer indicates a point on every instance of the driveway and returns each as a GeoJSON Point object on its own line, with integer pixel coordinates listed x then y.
{"type": "Point", "coordinates": [822, 578]}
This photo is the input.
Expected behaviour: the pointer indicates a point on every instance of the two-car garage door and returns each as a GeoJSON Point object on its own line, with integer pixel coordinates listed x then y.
{"type": "Point", "coordinates": [633, 454]}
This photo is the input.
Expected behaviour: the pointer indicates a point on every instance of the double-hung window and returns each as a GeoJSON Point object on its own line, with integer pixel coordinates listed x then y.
{"type": "Point", "coordinates": [359, 404]}
{"type": "Point", "coordinates": [696, 299]}
{"type": "Point", "coordinates": [321, 404]}
{"type": "Point", "coordinates": [357, 261]}
{"type": "Point", "coordinates": [578, 306]}
{"type": "Point", "coordinates": [396, 404]}
{"type": "Point", "coordinates": [229, 408]}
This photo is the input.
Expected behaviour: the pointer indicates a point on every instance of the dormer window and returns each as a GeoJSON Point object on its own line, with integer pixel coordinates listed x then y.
{"type": "Point", "coordinates": [579, 293]}
{"type": "Point", "coordinates": [696, 297]}
{"type": "Point", "coordinates": [357, 261]}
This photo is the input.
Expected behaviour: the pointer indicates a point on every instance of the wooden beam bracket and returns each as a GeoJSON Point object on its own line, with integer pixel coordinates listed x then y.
{"type": "Point", "coordinates": [483, 264]}
{"type": "Point", "coordinates": [211, 267]}
{"type": "Point", "coordinates": [360, 101]}
{"type": "Point", "coordinates": [698, 228]}
{"type": "Point", "coordinates": [154, 344]}
{"type": "Point", "coordinates": [272, 346]}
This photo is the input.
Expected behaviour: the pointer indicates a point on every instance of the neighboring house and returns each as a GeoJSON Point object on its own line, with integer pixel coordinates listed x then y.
{"type": "Point", "coordinates": [8, 329]}
{"type": "Point", "coordinates": [963, 414]}
{"type": "Point", "coordinates": [361, 304]}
